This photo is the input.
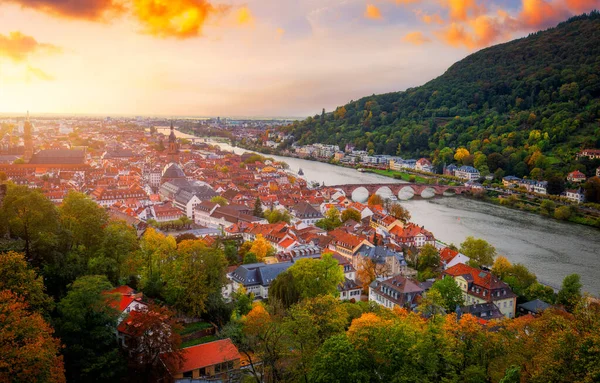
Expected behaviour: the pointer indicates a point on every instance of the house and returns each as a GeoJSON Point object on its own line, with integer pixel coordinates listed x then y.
{"type": "Point", "coordinates": [450, 170]}
{"type": "Point", "coordinates": [592, 154]}
{"type": "Point", "coordinates": [449, 257]}
{"type": "Point", "coordinates": [467, 173]}
{"type": "Point", "coordinates": [411, 235]}
{"type": "Point", "coordinates": [575, 195]}
{"type": "Point", "coordinates": [510, 181]}
{"type": "Point", "coordinates": [213, 361]}
{"type": "Point", "coordinates": [392, 262]}
{"type": "Point", "coordinates": [256, 277]}
{"type": "Point", "coordinates": [534, 307]}
{"type": "Point", "coordinates": [480, 286]}
{"type": "Point", "coordinates": [424, 165]}
{"type": "Point", "coordinates": [306, 213]}
{"type": "Point", "coordinates": [394, 292]}
{"type": "Point", "coordinates": [349, 290]}
{"type": "Point", "coordinates": [125, 301]}
{"type": "Point", "coordinates": [486, 311]}
{"type": "Point", "coordinates": [576, 176]}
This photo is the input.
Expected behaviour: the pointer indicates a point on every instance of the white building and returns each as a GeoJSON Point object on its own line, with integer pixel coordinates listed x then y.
{"type": "Point", "coordinates": [468, 173]}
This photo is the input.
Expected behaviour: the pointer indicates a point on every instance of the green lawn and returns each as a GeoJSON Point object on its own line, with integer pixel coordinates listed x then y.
{"type": "Point", "coordinates": [202, 340]}
{"type": "Point", "coordinates": [193, 327]}
{"type": "Point", "coordinates": [404, 176]}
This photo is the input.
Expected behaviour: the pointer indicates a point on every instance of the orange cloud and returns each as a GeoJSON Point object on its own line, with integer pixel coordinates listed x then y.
{"type": "Point", "coordinates": [18, 47]}
{"type": "Point", "coordinates": [582, 5]}
{"type": "Point", "coordinates": [174, 18]}
{"type": "Point", "coordinates": [77, 9]}
{"type": "Point", "coordinates": [462, 10]}
{"type": "Point", "coordinates": [244, 16]}
{"type": "Point", "coordinates": [429, 19]}
{"type": "Point", "coordinates": [540, 13]}
{"type": "Point", "coordinates": [415, 38]}
{"type": "Point", "coordinates": [372, 12]}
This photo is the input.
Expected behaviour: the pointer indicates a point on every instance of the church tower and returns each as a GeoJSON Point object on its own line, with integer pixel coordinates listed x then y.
{"type": "Point", "coordinates": [28, 140]}
{"type": "Point", "coordinates": [173, 150]}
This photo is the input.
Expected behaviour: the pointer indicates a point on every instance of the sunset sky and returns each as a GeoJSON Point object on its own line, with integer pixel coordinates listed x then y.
{"type": "Point", "coordinates": [242, 58]}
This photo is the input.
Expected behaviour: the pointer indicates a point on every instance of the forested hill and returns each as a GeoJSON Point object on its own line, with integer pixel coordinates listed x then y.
{"type": "Point", "coordinates": [537, 97]}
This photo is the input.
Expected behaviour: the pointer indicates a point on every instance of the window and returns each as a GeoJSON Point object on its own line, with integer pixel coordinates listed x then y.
{"type": "Point", "coordinates": [217, 368]}
{"type": "Point", "coordinates": [187, 374]}
{"type": "Point", "coordinates": [203, 371]}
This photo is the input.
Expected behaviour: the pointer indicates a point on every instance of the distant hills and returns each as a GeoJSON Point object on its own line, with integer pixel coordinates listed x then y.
{"type": "Point", "coordinates": [535, 102]}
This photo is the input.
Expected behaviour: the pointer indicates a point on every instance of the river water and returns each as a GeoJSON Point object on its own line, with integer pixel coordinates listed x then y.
{"type": "Point", "coordinates": [551, 249]}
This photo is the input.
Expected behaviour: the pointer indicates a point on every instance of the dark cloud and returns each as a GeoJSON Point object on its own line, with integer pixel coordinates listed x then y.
{"type": "Point", "coordinates": [76, 9]}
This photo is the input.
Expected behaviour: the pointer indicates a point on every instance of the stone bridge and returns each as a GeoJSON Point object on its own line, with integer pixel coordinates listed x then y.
{"type": "Point", "coordinates": [415, 189]}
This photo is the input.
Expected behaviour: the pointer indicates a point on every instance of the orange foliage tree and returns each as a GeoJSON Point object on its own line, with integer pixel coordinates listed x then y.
{"type": "Point", "coordinates": [28, 352]}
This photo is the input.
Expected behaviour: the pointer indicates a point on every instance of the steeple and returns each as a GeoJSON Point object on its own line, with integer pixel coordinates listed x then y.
{"type": "Point", "coordinates": [27, 139]}
{"type": "Point", "coordinates": [173, 147]}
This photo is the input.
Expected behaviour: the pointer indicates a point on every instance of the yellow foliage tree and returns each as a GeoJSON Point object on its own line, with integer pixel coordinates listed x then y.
{"type": "Point", "coordinates": [460, 154]}
{"type": "Point", "coordinates": [262, 248]}
{"type": "Point", "coordinates": [501, 267]}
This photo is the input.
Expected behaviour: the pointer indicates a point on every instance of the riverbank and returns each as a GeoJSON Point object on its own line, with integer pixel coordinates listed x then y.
{"type": "Point", "coordinates": [550, 248]}
{"type": "Point", "coordinates": [544, 207]}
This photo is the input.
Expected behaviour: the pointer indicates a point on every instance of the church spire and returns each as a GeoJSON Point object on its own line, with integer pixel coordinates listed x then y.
{"type": "Point", "coordinates": [28, 139]}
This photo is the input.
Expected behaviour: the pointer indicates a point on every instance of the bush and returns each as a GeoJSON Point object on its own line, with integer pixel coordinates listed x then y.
{"type": "Point", "coordinates": [562, 213]}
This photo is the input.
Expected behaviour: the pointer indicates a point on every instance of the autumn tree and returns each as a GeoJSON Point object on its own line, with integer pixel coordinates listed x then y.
{"type": "Point", "coordinates": [331, 220]}
{"type": "Point", "coordinates": [23, 281]}
{"type": "Point", "coordinates": [28, 351]}
{"type": "Point", "coordinates": [264, 339]}
{"type": "Point", "coordinates": [314, 277]}
{"type": "Point", "coordinates": [432, 305]}
{"type": "Point", "coordinates": [156, 250]}
{"type": "Point", "coordinates": [151, 332]}
{"type": "Point", "coordinates": [261, 248]}
{"type": "Point", "coordinates": [368, 270]}
{"type": "Point", "coordinates": [375, 200]}
{"type": "Point", "coordinates": [519, 278]}
{"type": "Point", "coordinates": [480, 252]}
{"type": "Point", "coordinates": [86, 323]}
{"type": "Point", "coordinates": [194, 274]}
{"type": "Point", "coordinates": [399, 212]}
{"type": "Point", "coordinates": [351, 214]}
{"type": "Point", "coordinates": [501, 267]}
{"type": "Point", "coordinates": [461, 154]}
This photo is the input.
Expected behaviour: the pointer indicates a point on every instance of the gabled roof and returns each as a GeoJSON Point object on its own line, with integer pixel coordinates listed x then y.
{"type": "Point", "coordinates": [535, 306]}
{"type": "Point", "coordinates": [204, 355]}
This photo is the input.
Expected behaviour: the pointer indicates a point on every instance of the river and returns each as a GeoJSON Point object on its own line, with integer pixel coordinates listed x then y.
{"type": "Point", "coordinates": [551, 249]}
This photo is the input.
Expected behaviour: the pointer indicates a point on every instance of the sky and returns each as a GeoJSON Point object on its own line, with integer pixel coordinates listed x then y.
{"type": "Point", "coordinates": [242, 57]}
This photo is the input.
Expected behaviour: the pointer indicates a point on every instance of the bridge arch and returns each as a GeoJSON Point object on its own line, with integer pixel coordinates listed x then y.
{"type": "Point", "coordinates": [428, 192]}
{"type": "Point", "coordinates": [406, 193]}
{"type": "Point", "coordinates": [385, 192]}
{"type": "Point", "coordinates": [360, 194]}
